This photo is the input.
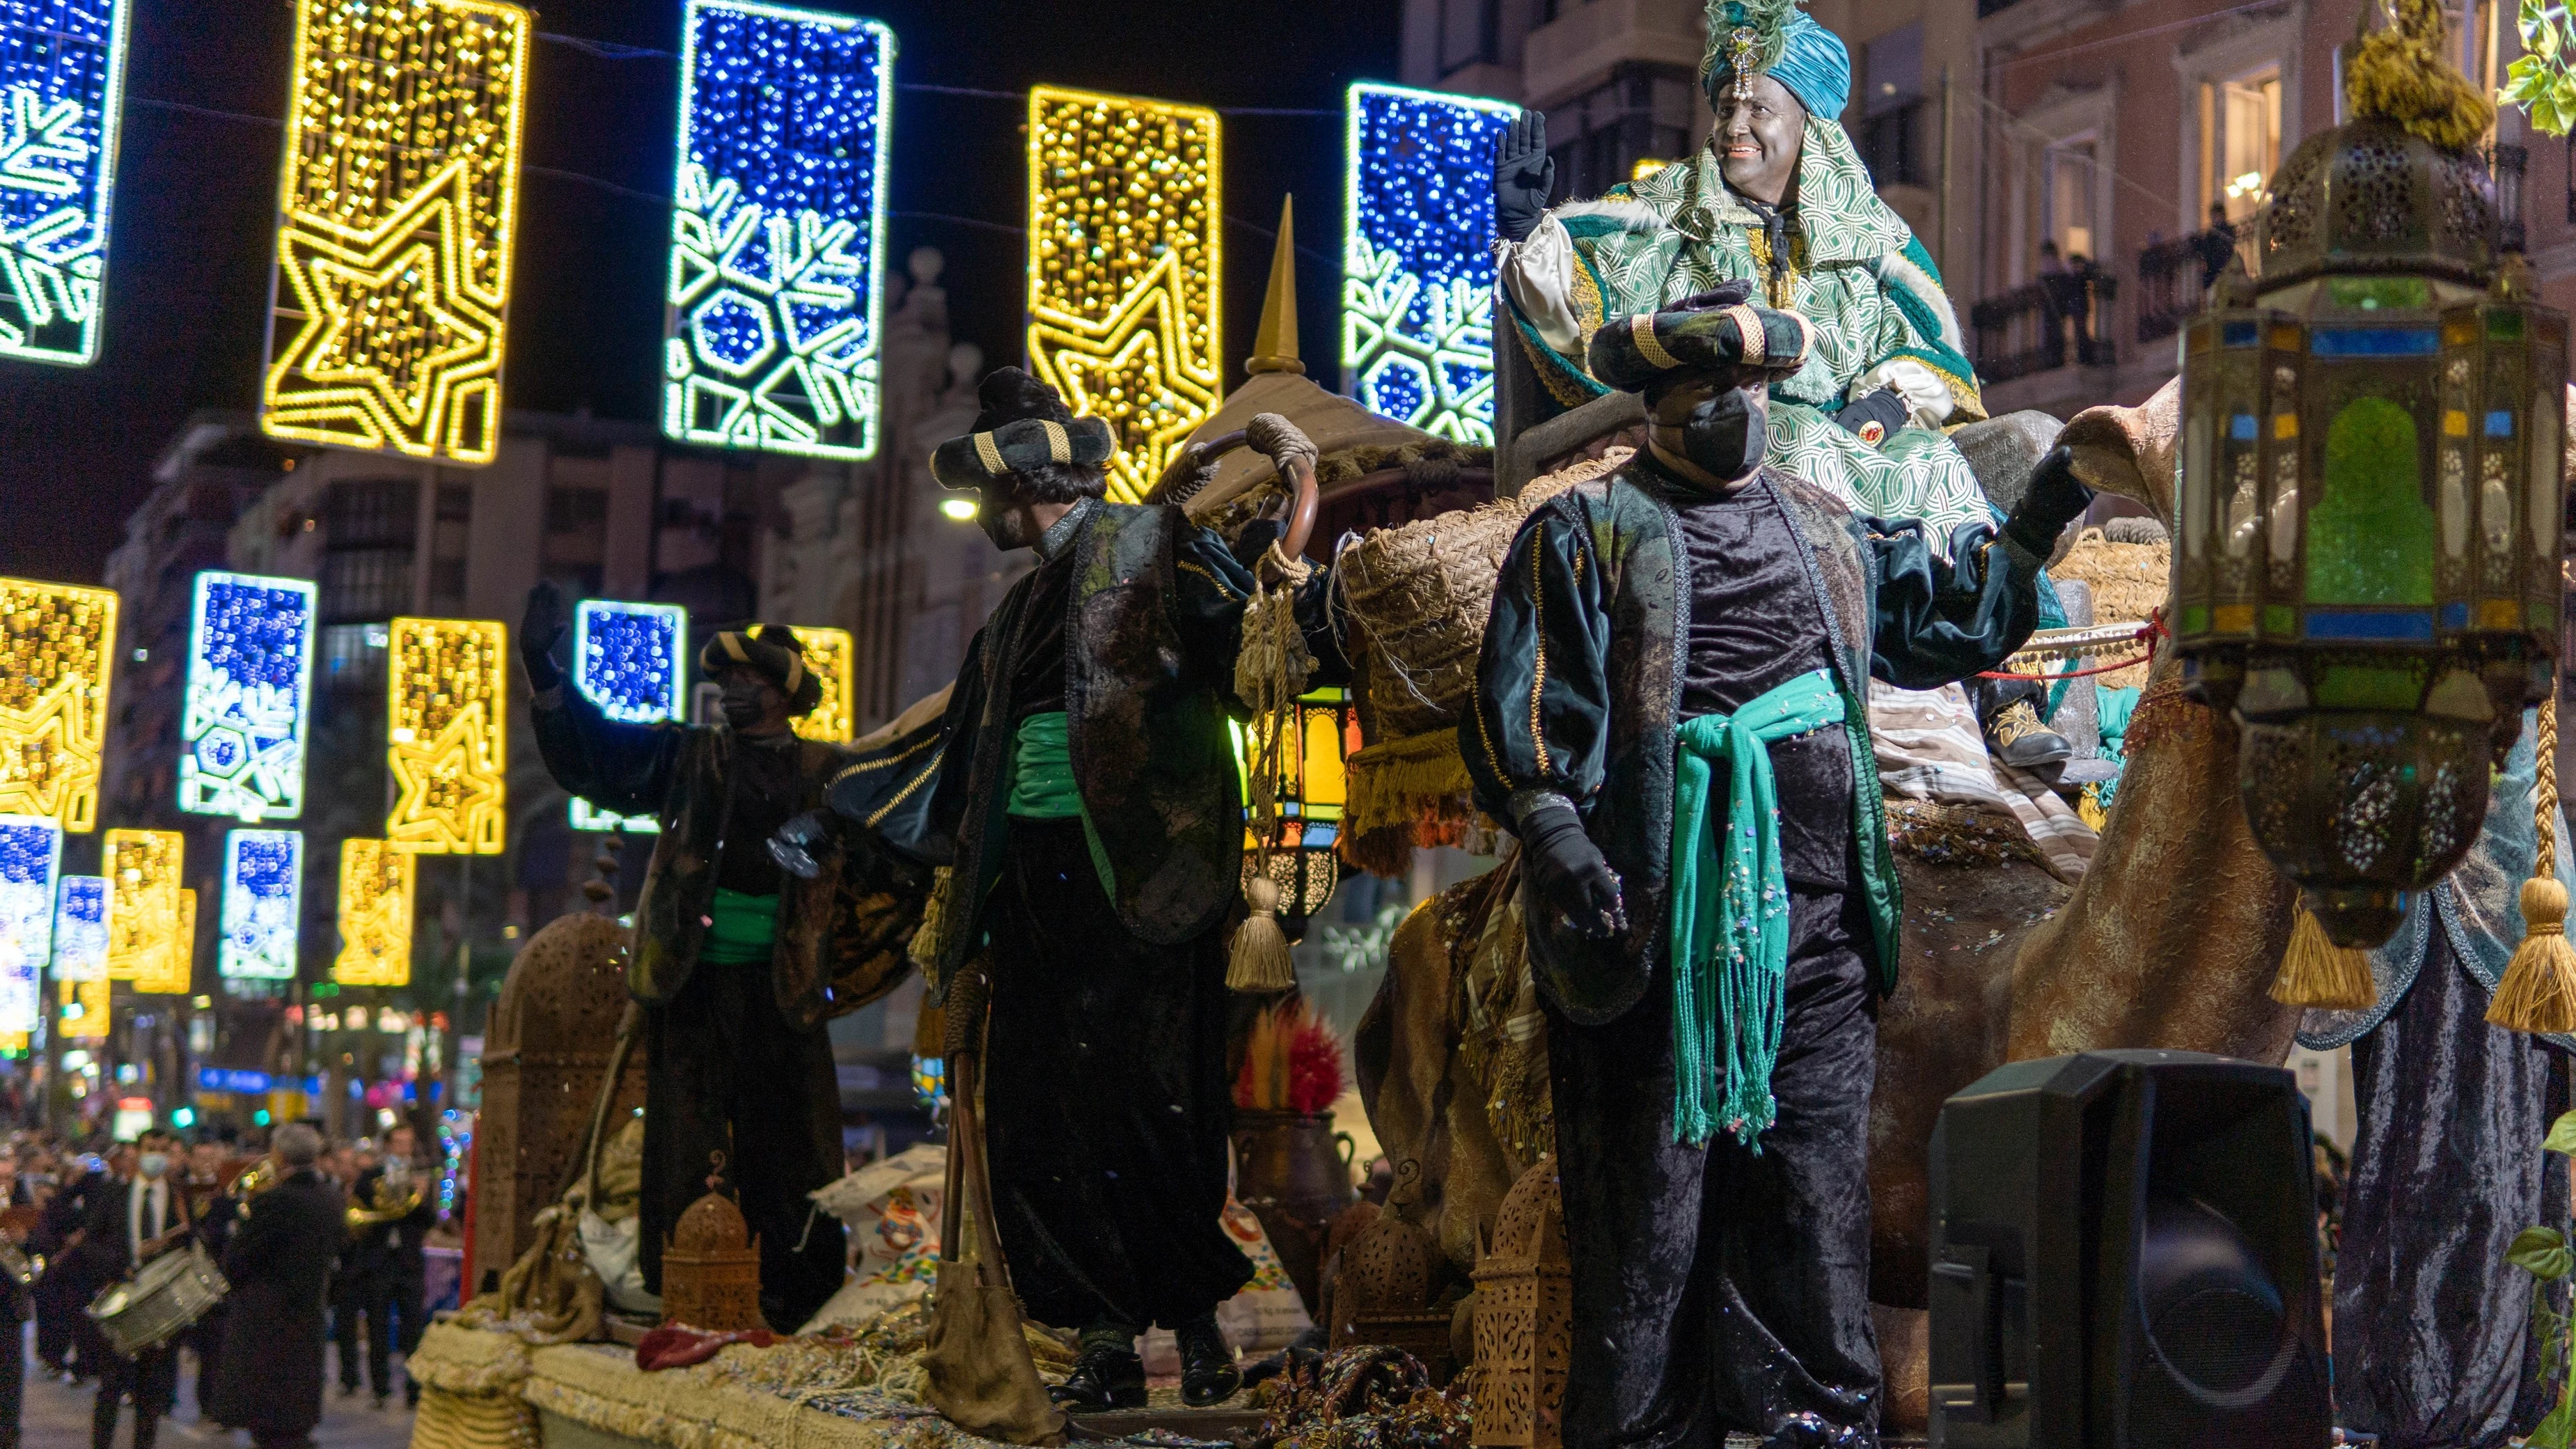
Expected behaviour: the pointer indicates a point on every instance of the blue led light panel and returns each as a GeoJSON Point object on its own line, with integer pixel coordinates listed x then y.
{"type": "Point", "coordinates": [263, 898]}
{"type": "Point", "coordinates": [62, 66]}
{"type": "Point", "coordinates": [627, 660]}
{"type": "Point", "coordinates": [31, 851]}
{"type": "Point", "coordinates": [1418, 263]}
{"type": "Point", "coordinates": [80, 929]}
{"type": "Point", "coordinates": [770, 331]}
{"type": "Point", "coordinates": [250, 688]}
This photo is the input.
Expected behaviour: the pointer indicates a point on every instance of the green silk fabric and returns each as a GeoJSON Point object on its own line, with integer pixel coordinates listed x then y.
{"type": "Point", "coordinates": [741, 928]}
{"type": "Point", "coordinates": [1043, 787]}
{"type": "Point", "coordinates": [1730, 910]}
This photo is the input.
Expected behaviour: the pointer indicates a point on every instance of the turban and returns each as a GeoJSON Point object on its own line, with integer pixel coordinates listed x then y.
{"type": "Point", "coordinates": [770, 651]}
{"type": "Point", "coordinates": [1707, 333]}
{"type": "Point", "coordinates": [1023, 423]}
{"type": "Point", "coordinates": [1787, 45]}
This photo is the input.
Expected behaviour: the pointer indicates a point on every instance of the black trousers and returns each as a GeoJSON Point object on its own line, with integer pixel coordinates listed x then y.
{"type": "Point", "coordinates": [60, 1297]}
{"type": "Point", "coordinates": [13, 1370]}
{"type": "Point", "coordinates": [1107, 1106]}
{"type": "Point", "coordinates": [151, 1379]}
{"type": "Point", "coordinates": [725, 1073]}
{"type": "Point", "coordinates": [2432, 1348]}
{"type": "Point", "coordinates": [348, 1307]}
{"type": "Point", "coordinates": [1722, 1287]}
{"type": "Point", "coordinates": [394, 1294]}
{"type": "Point", "coordinates": [207, 1338]}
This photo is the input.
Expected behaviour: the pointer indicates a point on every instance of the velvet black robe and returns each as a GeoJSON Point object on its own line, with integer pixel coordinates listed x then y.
{"type": "Point", "coordinates": [269, 1380]}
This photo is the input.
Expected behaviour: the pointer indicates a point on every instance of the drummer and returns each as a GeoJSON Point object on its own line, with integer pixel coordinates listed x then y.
{"type": "Point", "coordinates": [144, 1216]}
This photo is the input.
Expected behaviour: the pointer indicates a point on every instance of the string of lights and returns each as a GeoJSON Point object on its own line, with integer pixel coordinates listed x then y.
{"type": "Point", "coordinates": [250, 685]}
{"type": "Point", "coordinates": [263, 904]}
{"type": "Point", "coordinates": [61, 69]}
{"type": "Point", "coordinates": [376, 893]}
{"type": "Point", "coordinates": [627, 659]}
{"type": "Point", "coordinates": [31, 854]}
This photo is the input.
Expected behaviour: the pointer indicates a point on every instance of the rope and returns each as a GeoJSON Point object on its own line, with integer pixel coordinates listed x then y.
{"type": "Point", "coordinates": [2545, 802]}
{"type": "Point", "coordinates": [2147, 634]}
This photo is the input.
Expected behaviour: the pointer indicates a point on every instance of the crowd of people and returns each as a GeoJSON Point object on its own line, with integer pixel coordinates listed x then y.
{"type": "Point", "coordinates": [321, 1245]}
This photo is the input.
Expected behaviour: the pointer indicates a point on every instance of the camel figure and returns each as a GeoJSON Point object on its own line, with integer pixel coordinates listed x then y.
{"type": "Point", "coordinates": [2170, 939]}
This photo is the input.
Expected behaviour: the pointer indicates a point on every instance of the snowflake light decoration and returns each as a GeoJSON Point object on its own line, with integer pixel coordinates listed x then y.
{"type": "Point", "coordinates": [1417, 264]}
{"type": "Point", "coordinates": [770, 335]}
{"type": "Point", "coordinates": [62, 73]}
{"type": "Point", "coordinates": [31, 852]}
{"type": "Point", "coordinates": [627, 660]}
{"type": "Point", "coordinates": [80, 929]}
{"type": "Point", "coordinates": [263, 904]}
{"type": "Point", "coordinates": [250, 679]}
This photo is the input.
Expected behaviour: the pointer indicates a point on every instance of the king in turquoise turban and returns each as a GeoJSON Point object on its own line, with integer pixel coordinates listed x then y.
{"type": "Point", "coordinates": [1863, 418]}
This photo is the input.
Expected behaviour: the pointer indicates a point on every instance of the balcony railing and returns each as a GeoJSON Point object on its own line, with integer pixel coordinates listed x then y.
{"type": "Point", "coordinates": [2174, 279]}
{"type": "Point", "coordinates": [2035, 328]}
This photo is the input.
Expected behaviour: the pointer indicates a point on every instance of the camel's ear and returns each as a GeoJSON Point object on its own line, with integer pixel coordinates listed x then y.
{"type": "Point", "coordinates": [2130, 451]}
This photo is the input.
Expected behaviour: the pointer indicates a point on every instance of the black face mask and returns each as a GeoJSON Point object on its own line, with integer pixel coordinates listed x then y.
{"type": "Point", "coordinates": [1724, 434]}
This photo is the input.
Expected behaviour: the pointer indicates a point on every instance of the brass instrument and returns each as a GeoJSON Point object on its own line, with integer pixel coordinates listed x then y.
{"type": "Point", "coordinates": [22, 1267]}
{"type": "Point", "coordinates": [258, 1178]}
{"type": "Point", "coordinates": [396, 1198]}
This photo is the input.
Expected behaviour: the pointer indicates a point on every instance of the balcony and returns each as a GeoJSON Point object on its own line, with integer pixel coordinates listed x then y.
{"type": "Point", "coordinates": [2174, 279]}
{"type": "Point", "coordinates": [2036, 328]}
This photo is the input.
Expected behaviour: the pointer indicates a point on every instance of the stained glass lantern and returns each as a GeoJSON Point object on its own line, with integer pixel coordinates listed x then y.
{"type": "Point", "coordinates": [1312, 793]}
{"type": "Point", "coordinates": [2369, 511]}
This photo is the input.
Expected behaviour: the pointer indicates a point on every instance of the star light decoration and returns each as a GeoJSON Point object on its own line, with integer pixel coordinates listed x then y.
{"type": "Point", "coordinates": [62, 74]}
{"type": "Point", "coordinates": [263, 904]}
{"type": "Point", "coordinates": [84, 1007]}
{"type": "Point", "coordinates": [174, 972]}
{"type": "Point", "coordinates": [376, 883]}
{"type": "Point", "coordinates": [771, 322]}
{"type": "Point", "coordinates": [446, 691]}
{"type": "Point", "coordinates": [827, 654]}
{"type": "Point", "coordinates": [31, 852]}
{"type": "Point", "coordinates": [142, 902]}
{"type": "Point", "coordinates": [57, 647]}
{"type": "Point", "coordinates": [1418, 262]}
{"type": "Point", "coordinates": [250, 681]}
{"type": "Point", "coordinates": [1124, 266]}
{"type": "Point", "coordinates": [397, 202]}
{"type": "Point", "coordinates": [627, 660]}
{"type": "Point", "coordinates": [80, 928]}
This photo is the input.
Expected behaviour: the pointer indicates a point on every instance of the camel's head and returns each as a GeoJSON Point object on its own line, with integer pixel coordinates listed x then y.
{"type": "Point", "coordinates": [2130, 451]}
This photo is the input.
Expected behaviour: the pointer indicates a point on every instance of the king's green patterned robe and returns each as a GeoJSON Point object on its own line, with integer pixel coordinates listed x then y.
{"type": "Point", "coordinates": [1854, 270]}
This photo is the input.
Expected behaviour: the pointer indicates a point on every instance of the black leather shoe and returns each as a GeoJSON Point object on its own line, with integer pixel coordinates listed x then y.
{"type": "Point", "coordinates": [1208, 1374]}
{"type": "Point", "coordinates": [1103, 1379]}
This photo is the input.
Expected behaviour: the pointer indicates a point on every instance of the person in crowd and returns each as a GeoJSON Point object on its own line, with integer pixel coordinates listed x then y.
{"type": "Point", "coordinates": [1088, 807]}
{"type": "Point", "coordinates": [385, 1263]}
{"type": "Point", "coordinates": [77, 1267]}
{"type": "Point", "coordinates": [737, 965]}
{"type": "Point", "coordinates": [17, 1305]}
{"type": "Point", "coordinates": [144, 1216]}
{"type": "Point", "coordinates": [269, 1377]}
{"type": "Point", "coordinates": [1669, 715]}
{"type": "Point", "coordinates": [211, 1206]}
{"type": "Point", "coordinates": [2216, 245]}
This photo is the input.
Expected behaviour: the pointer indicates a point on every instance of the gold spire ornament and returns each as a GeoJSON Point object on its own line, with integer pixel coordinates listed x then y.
{"type": "Point", "coordinates": [1274, 347]}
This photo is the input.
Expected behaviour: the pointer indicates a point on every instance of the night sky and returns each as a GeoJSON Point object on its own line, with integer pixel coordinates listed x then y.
{"type": "Point", "coordinates": [195, 208]}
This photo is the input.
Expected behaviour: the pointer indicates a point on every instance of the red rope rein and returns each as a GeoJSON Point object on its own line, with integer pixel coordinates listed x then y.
{"type": "Point", "coordinates": [2148, 633]}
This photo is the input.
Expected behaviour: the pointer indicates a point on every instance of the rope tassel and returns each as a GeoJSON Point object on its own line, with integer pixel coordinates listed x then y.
{"type": "Point", "coordinates": [2317, 972]}
{"type": "Point", "coordinates": [2538, 992]}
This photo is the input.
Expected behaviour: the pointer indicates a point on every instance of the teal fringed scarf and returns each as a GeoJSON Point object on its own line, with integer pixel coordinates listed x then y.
{"type": "Point", "coordinates": [1730, 935]}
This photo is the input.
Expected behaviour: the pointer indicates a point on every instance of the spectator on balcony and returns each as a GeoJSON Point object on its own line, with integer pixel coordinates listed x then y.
{"type": "Point", "coordinates": [1777, 198]}
{"type": "Point", "coordinates": [2216, 245]}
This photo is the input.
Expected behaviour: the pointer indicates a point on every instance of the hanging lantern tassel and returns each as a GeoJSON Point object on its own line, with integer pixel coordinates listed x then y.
{"type": "Point", "coordinates": [2538, 993]}
{"type": "Point", "coordinates": [2319, 973]}
{"type": "Point", "coordinates": [1268, 676]}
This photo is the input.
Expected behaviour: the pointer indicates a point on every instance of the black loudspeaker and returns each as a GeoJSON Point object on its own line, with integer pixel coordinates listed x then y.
{"type": "Point", "coordinates": [2124, 1256]}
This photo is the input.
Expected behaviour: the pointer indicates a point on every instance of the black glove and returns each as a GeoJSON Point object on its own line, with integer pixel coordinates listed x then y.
{"type": "Point", "coordinates": [1872, 418]}
{"type": "Point", "coordinates": [798, 843]}
{"type": "Point", "coordinates": [540, 630]}
{"type": "Point", "coordinates": [2050, 501]}
{"type": "Point", "coordinates": [1570, 875]}
{"type": "Point", "coordinates": [1523, 175]}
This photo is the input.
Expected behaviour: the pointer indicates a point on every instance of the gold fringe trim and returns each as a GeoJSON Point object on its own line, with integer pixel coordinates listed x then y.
{"type": "Point", "coordinates": [449, 1420]}
{"type": "Point", "coordinates": [1405, 794]}
{"type": "Point", "coordinates": [2317, 972]}
{"type": "Point", "coordinates": [462, 1360]}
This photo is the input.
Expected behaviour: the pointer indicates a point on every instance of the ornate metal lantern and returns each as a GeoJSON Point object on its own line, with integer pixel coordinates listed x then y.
{"type": "Point", "coordinates": [1313, 789]}
{"type": "Point", "coordinates": [2369, 510]}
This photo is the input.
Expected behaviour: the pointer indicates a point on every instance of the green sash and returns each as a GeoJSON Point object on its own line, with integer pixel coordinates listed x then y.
{"type": "Point", "coordinates": [1730, 927]}
{"type": "Point", "coordinates": [1043, 788]}
{"type": "Point", "coordinates": [741, 928]}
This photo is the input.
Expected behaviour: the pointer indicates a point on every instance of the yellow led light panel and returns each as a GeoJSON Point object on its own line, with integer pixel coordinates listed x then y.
{"type": "Point", "coordinates": [143, 870]}
{"type": "Point", "coordinates": [375, 915]}
{"type": "Point", "coordinates": [396, 206]}
{"type": "Point", "coordinates": [175, 968]}
{"type": "Point", "coordinates": [84, 1009]}
{"type": "Point", "coordinates": [827, 653]}
{"type": "Point", "coordinates": [57, 651]}
{"type": "Point", "coordinates": [1124, 261]}
{"type": "Point", "coordinates": [448, 746]}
